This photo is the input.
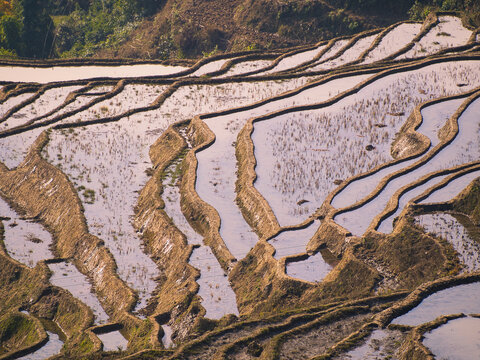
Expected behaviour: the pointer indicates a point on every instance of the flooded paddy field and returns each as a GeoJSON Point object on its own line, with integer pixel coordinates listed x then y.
{"type": "Point", "coordinates": [454, 300]}
{"type": "Point", "coordinates": [457, 339]}
{"type": "Point", "coordinates": [454, 154]}
{"type": "Point", "coordinates": [320, 201]}
{"type": "Point", "coordinates": [24, 240]}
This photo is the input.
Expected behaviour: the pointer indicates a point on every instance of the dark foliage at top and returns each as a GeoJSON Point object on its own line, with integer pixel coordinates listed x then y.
{"type": "Point", "coordinates": [83, 28]}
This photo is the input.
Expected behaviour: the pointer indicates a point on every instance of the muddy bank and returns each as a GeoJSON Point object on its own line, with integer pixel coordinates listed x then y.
{"type": "Point", "coordinates": [267, 336]}
{"type": "Point", "coordinates": [409, 255]}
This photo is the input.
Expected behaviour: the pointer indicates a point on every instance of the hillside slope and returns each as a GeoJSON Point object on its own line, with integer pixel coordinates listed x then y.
{"type": "Point", "coordinates": [162, 29]}
{"type": "Point", "coordinates": [192, 27]}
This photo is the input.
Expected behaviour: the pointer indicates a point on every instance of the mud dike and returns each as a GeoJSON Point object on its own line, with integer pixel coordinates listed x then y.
{"type": "Point", "coordinates": [283, 205]}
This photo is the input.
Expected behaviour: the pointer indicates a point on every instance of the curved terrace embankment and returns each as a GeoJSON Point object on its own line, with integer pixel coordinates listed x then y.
{"type": "Point", "coordinates": [59, 209]}
{"type": "Point", "coordinates": [174, 297]}
{"type": "Point", "coordinates": [29, 289]}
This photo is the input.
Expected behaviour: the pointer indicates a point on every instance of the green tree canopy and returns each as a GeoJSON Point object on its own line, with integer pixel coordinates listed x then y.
{"type": "Point", "coordinates": [26, 28]}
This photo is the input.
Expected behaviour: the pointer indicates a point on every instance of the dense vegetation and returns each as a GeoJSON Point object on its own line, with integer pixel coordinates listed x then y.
{"type": "Point", "coordinates": [36, 28]}
{"type": "Point", "coordinates": [84, 28]}
{"type": "Point", "coordinates": [103, 23]}
{"type": "Point", "coordinates": [26, 28]}
{"type": "Point", "coordinates": [469, 8]}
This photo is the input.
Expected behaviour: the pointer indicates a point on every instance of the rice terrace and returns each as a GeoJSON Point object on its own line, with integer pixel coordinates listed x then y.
{"type": "Point", "coordinates": [316, 202]}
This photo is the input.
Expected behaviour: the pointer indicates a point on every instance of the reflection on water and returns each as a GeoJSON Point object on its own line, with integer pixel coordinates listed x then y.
{"type": "Point", "coordinates": [458, 339]}
{"type": "Point", "coordinates": [66, 275]}
{"type": "Point", "coordinates": [67, 73]}
{"type": "Point", "coordinates": [25, 241]}
{"type": "Point", "coordinates": [449, 228]}
{"type": "Point", "coordinates": [293, 242]}
{"type": "Point", "coordinates": [215, 290]}
{"type": "Point", "coordinates": [113, 341]}
{"type": "Point", "coordinates": [218, 298]}
{"type": "Point", "coordinates": [452, 189]}
{"type": "Point", "coordinates": [463, 149]}
{"type": "Point", "coordinates": [167, 336]}
{"type": "Point", "coordinates": [51, 348]}
{"type": "Point", "coordinates": [314, 268]}
{"type": "Point", "coordinates": [454, 300]}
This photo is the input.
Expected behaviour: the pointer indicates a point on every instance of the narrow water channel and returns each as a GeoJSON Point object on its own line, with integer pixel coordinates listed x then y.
{"type": "Point", "coordinates": [217, 295]}
{"type": "Point", "coordinates": [69, 73]}
{"type": "Point", "coordinates": [453, 188]}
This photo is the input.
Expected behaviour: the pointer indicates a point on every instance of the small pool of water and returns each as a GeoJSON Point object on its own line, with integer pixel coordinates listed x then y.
{"type": "Point", "coordinates": [25, 240]}
{"type": "Point", "coordinates": [113, 341]}
{"type": "Point", "coordinates": [66, 275]}
{"type": "Point", "coordinates": [454, 300]}
{"type": "Point", "coordinates": [51, 348]}
{"type": "Point", "coordinates": [167, 337]}
{"type": "Point", "coordinates": [458, 339]}
{"type": "Point", "coordinates": [293, 242]}
{"type": "Point", "coordinates": [313, 269]}
{"type": "Point", "coordinates": [381, 344]}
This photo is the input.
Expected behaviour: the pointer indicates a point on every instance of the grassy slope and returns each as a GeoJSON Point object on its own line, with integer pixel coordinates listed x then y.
{"type": "Point", "coordinates": [196, 27]}
{"type": "Point", "coordinates": [190, 28]}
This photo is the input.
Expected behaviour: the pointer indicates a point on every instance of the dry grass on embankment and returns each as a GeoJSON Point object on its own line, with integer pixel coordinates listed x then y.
{"type": "Point", "coordinates": [259, 281]}
{"type": "Point", "coordinates": [411, 255]}
{"type": "Point", "coordinates": [29, 289]}
{"type": "Point", "coordinates": [57, 206]}
{"type": "Point", "coordinates": [175, 299]}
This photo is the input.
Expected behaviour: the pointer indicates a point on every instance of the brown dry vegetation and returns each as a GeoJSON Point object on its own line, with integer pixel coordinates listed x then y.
{"type": "Point", "coordinates": [280, 316]}
{"type": "Point", "coordinates": [197, 26]}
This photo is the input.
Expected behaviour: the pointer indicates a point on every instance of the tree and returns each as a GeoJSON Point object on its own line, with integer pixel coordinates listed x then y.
{"type": "Point", "coordinates": [11, 28]}
{"type": "Point", "coordinates": [11, 33]}
{"type": "Point", "coordinates": [37, 28]}
{"type": "Point", "coordinates": [5, 7]}
{"type": "Point", "coordinates": [149, 7]}
{"type": "Point", "coordinates": [66, 7]}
